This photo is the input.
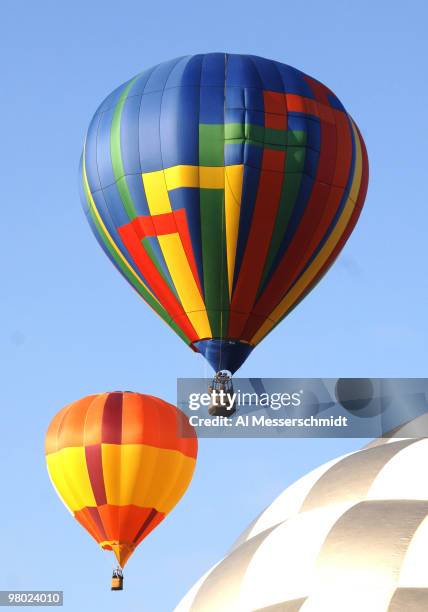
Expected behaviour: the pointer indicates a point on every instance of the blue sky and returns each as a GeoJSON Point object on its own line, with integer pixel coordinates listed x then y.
{"type": "Point", "coordinates": [72, 326]}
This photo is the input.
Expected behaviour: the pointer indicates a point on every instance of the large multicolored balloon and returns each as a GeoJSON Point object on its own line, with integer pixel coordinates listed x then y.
{"type": "Point", "coordinates": [120, 462]}
{"type": "Point", "coordinates": [223, 187]}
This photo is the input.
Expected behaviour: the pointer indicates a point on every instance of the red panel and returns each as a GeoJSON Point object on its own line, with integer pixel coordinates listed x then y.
{"type": "Point", "coordinates": [319, 214]}
{"type": "Point", "coordinates": [131, 235]}
{"type": "Point", "coordinates": [295, 103]}
{"type": "Point", "coordinates": [274, 160]}
{"type": "Point", "coordinates": [274, 103]}
{"type": "Point", "coordinates": [352, 221]}
{"type": "Point", "coordinates": [275, 122]}
{"type": "Point", "coordinates": [112, 419]}
{"type": "Point", "coordinates": [164, 224]}
{"type": "Point", "coordinates": [262, 224]}
{"type": "Point", "coordinates": [329, 154]}
{"type": "Point", "coordinates": [294, 259]}
{"type": "Point", "coordinates": [94, 464]}
{"type": "Point", "coordinates": [344, 157]}
{"type": "Point", "coordinates": [320, 91]}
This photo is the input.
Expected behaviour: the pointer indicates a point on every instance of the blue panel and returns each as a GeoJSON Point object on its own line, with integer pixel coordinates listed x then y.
{"type": "Point", "coordinates": [297, 122]}
{"type": "Point", "coordinates": [294, 82]}
{"type": "Point", "coordinates": [313, 131]}
{"type": "Point", "coordinates": [111, 205]}
{"type": "Point", "coordinates": [138, 195]}
{"type": "Point", "coordinates": [187, 72]}
{"type": "Point", "coordinates": [234, 116]}
{"type": "Point", "coordinates": [100, 241]}
{"type": "Point", "coordinates": [212, 105]}
{"type": "Point", "coordinates": [269, 73]}
{"type": "Point", "coordinates": [105, 168]}
{"type": "Point", "coordinates": [112, 99]}
{"type": "Point", "coordinates": [255, 118]}
{"type": "Point", "coordinates": [248, 199]}
{"type": "Point", "coordinates": [188, 198]}
{"type": "Point", "coordinates": [213, 70]}
{"type": "Point", "coordinates": [253, 155]}
{"type": "Point", "coordinates": [83, 199]}
{"type": "Point", "coordinates": [129, 135]}
{"type": "Point", "coordinates": [254, 99]}
{"type": "Point", "coordinates": [179, 128]}
{"type": "Point", "coordinates": [159, 76]}
{"type": "Point", "coordinates": [311, 162]}
{"type": "Point", "coordinates": [109, 221]}
{"type": "Point", "coordinates": [140, 84]}
{"type": "Point", "coordinates": [241, 72]}
{"type": "Point", "coordinates": [335, 102]}
{"type": "Point", "coordinates": [310, 125]}
{"type": "Point", "coordinates": [233, 154]}
{"type": "Point", "coordinates": [91, 154]}
{"type": "Point", "coordinates": [150, 150]}
{"type": "Point", "coordinates": [235, 97]}
{"type": "Point", "coordinates": [224, 354]}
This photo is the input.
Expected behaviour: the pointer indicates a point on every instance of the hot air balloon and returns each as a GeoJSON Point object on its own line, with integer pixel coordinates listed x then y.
{"type": "Point", "coordinates": [120, 462]}
{"type": "Point", "coordinates": [223, 187]}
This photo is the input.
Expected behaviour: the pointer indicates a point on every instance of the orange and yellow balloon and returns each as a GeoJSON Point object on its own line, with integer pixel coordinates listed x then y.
{"type": "Point", "coordinates": [120, 462]}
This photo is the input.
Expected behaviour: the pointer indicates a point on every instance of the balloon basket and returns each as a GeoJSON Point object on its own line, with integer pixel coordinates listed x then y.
{"type": "Point", "coordinates": [117, 580]}
{"type": "Point", "coordinates": [222, 397]}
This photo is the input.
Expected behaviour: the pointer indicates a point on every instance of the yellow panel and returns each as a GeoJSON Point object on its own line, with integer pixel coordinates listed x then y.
{"type": "Point", "coordinates": [184, 282]}
{"type": "Point", "coordinates": [59, 483]}
{"type": "Point", "coordinates": [204, 177]}
{"type": "Point", "coordinates": [211, 177]}
{"type": "Point", "coordinates": [233, 193]}
{"type": "Point", "coordinates": [356, 184]}
{"type": "Point", "coordinates": [156, 192]}
{"type": "Point", "coordinates": [145, 476]}
{"type": "Point", "coordinates": [182, 176]}
{"type": "Point", "coordinates": [69, 473]}
{"type": "Point", "coordinates": [181, 480]}
{"type": "Point", "coordinates": [305, 280]}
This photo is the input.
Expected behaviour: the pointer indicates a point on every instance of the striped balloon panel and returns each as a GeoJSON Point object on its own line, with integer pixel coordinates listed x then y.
{"type": "Point", "coordinates": [223, 187]}
{"type": "Point", "coordinates": [120, 462]}
{"type": "Point", "coordinates": [351, 535]}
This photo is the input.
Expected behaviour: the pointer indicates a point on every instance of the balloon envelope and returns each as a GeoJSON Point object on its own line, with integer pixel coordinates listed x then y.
{"type": "Point", "coordinates": [223, 187]}
{"type": "Point", "coordinates": [120, 462]}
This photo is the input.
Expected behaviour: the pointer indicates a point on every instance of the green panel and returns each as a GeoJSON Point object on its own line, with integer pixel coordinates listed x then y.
{"type": "Point", "coordinates": [297, 138]}
{"type": "Point", "coordinates": [276, 137]}
{"type": "Point", "coordinates": [116, 154]}
{"type": "Point", "coordinates": [233, 131]}
{"type": "Point", "coordinates": [295, 159]}
{"type": "Point", "coordinates": [294, 164]}
{"type": "Point", "coordinates": [289, 193]}
{"type": "Point", "coordinates": [211, 145]}
{"type": "Point", "coordinates": [263, 137]}
{"type": "Point", "coordinates": [255, 133]}
{"type": "Point", "coordinates": [213, 234]}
